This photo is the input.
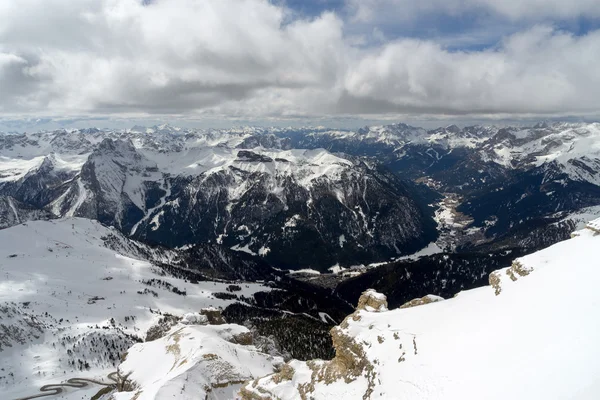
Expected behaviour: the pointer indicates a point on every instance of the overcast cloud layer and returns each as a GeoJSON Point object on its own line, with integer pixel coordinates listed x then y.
{"type": "Point", "coordinates": [261, 59]}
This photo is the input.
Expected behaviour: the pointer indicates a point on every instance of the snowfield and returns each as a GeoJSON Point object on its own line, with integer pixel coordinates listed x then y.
{"type": "Point", "coordinates": [65, 297]}
{"type": "Point", "coordinates": [194, 362]}
{"type": "Point", "coordinates": [533, 334]}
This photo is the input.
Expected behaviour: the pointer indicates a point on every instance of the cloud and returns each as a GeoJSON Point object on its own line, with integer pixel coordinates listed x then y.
{"type": "Point", "coordinates": [249, 58]}
{"type": "Point", "coordinates": [537, 71]}
{"type": "Point", "coordinates": [167, 55]}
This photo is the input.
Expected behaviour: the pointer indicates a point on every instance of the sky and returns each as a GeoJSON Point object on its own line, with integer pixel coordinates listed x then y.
{"type": "Point", "coordinates": [343, 63]}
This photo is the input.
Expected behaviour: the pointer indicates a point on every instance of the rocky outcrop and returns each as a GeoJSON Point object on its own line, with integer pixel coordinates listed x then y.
{"type": "Point", "coordinates": [516, 270]}
{"type": "Point", "coordinates": [370, 300]}
{"type": "Point", "coordinates": [162, 327]}
{"type": "Point", "coordinates": [213, 315]}
{"type": "Point", "coordinates": [430, 298]}
{"type": "Point", "coordinates": [350, 361]}
{"type": "Point", "coordinates": [14, 212]}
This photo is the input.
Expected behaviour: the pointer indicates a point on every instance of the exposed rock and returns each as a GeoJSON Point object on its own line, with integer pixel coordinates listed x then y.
{"type": "Point", "coordinates": [163, 326]}
{"type": "Point", "coordinates": [244, 338]}
{"type": "Point", "coordinates": [370, 300]}
{"type": "Point", "coordinates": [250, 156]}
{"type": "Point", "coordinates": [494, 280]}
{"type": "Point", "coordinates": [430, 298]}
{"type": "Point", "coordinates": [516, 270]}
{"type": "Point", "coordinates": [350, 361]}
{"type": "Point", "coordinates": [213, 315]}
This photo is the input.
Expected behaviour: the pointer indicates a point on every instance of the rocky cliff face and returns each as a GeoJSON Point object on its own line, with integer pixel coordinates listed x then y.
{"type": "Point", "coordinates": [13, 212]}
{"type": "Point", "coordinates": [293, 212]}
{"type": "Point", "coordinates": [351, 361]}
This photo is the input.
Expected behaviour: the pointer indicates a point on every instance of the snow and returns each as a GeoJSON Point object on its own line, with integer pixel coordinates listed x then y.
{"type": "Point", "coordinates": [194, 319]}
{"type": "Point", "coordinates": [59, 267]}
{"type": "Point", "coordinates": [326, 318]}
{"type": "Point", "coordinates": [445, 214]}
{"type": "Point", "coordinates": [336, 269]}
{"type": "Point", "coordinates": [305, 271]}
{"type": "Point", "coordinates": [81, 197]}
{"type": "Point", "coordinates": [430, 249]}
{"type": "Point", "coordinates": [292, 221]}
{"type": "Point", "coordinates": [342, 240]}
{"type": "Point", "coordinates": [244, 249]}
{"type": "Point", "coordinates": [594, 225]}
{"type": "Point", "coordinates": [305, 166]}
{"type": "Point", "coordinates": [263, 251]}
{"type": "Point", "coordinates": [582, 216]}
{"type": "Point", "coordinates": [13, 208]}
{"type": "Point", "coordinates": [536, 339]}
{"type": "Point", "coordinates": [191, 359]}
{"type": "Point", "coordinates": [13, 169]}
{"type": "Point", "coordinates": [574, 148]}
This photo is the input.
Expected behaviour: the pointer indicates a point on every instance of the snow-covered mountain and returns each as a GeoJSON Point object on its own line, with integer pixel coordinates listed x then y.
{"type": "Point", "coordinates": [245, 189]}
{"type": "Point", "coordinates": [531, 334]}
{"type": "Point", "coordinates": [280, 193]}
{"type": "Point", "coordinates": [503, 183]}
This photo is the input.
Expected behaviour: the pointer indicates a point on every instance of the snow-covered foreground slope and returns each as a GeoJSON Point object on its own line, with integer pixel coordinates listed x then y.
{"type": "Point", "coordinates": [65, 297]}
{"type": "Point", "coordinates": [533, 334]}
{"type": "Point", "coordinates": [194, 362]}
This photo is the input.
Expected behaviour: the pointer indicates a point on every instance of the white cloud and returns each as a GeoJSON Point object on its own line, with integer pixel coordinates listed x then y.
{"type": "Point", "coordinates": [537, 71]}
{"type": "Point", "coordinates": [245, 58]}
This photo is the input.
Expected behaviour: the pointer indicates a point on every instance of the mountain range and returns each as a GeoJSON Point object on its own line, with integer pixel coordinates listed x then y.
{"type": "Point", "coordinates": [230, 254]}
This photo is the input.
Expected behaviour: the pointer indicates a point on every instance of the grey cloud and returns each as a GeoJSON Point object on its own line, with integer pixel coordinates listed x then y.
{"type": "Point", "coordinates": [225, 58]}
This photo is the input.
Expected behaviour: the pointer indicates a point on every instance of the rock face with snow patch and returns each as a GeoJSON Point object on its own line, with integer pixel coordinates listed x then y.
{"type": "Point", "coordinates": [349, 364]}
{"type": "Point", "coordinates": [13, 212]}
{"type": "Point", "coordinates": [517, 184]}
{"type": "Point", "coordinates": [113, 186]}
{"type": "Point", "coordinates": [294, 208]}
{"type": "Point", "coordinates": [430, 298]}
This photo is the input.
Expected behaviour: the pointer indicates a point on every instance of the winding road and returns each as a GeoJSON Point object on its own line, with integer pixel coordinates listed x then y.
{"type": "Point", "coordinates": [54, 389]}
